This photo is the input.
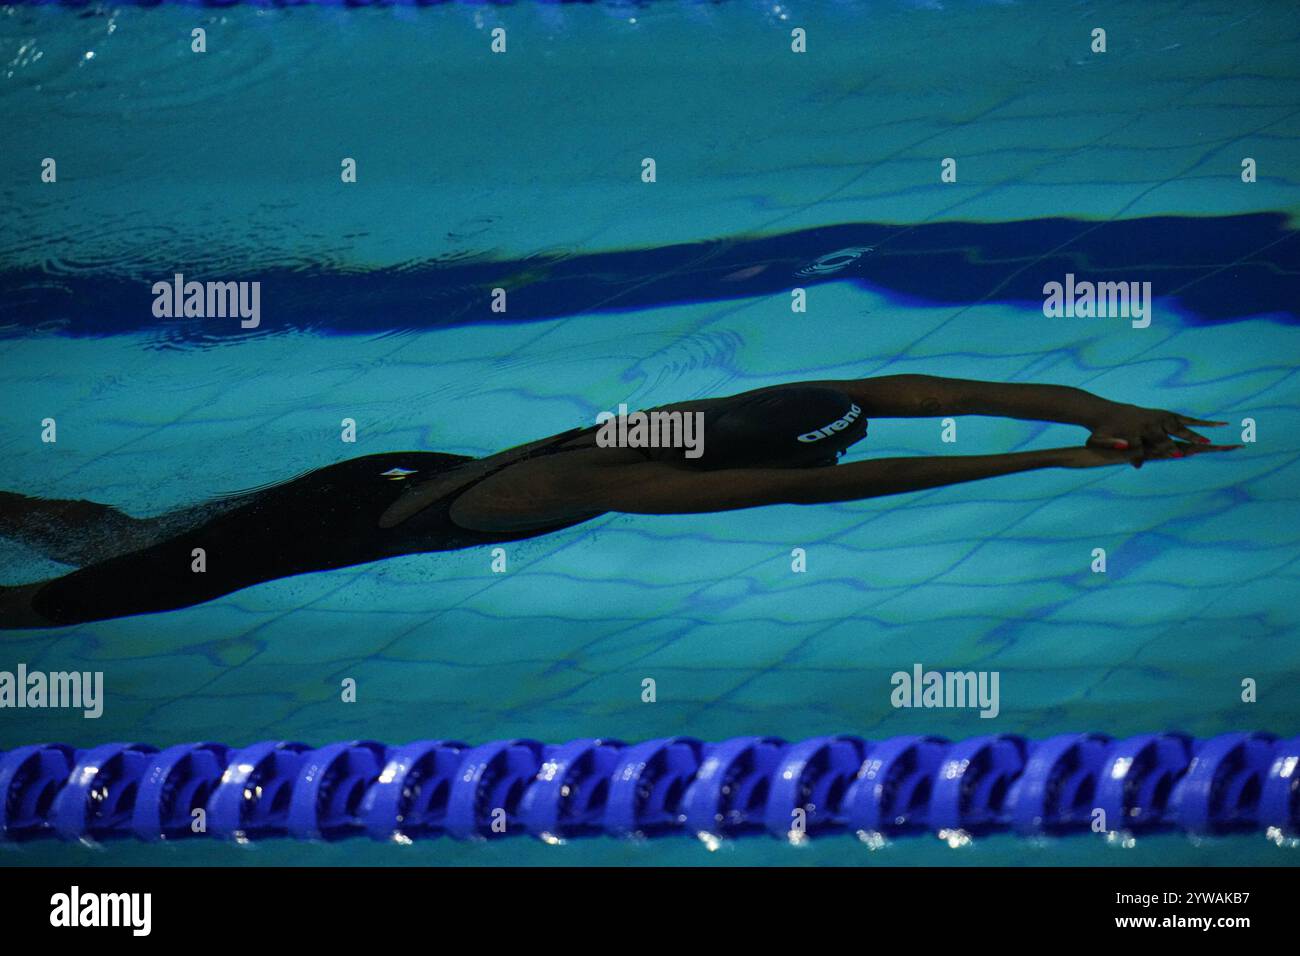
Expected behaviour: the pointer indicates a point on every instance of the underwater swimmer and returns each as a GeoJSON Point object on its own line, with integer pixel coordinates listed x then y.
{"type": "Point", "coordinates": [763, 447]}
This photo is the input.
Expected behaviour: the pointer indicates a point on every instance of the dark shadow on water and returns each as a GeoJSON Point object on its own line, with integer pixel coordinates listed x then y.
{"type": "Point", "coordinates": [1214, 269]}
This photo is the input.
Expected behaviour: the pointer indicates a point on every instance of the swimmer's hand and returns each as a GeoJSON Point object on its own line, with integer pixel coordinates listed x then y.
{"type": "Point", "coordinates": [1095, 455]}
{"type": "Point", "coordinates": [1152, 431]}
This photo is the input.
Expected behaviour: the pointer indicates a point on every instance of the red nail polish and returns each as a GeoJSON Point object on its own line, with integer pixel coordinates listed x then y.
{"type": "Point", "coordinates": [1203, 440]}
{"type": "Point", "coordinates": [1121, 444]}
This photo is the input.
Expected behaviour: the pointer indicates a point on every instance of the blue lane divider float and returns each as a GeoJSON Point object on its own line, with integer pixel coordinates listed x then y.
{"type": "Point", "coordinates": [747, 785]}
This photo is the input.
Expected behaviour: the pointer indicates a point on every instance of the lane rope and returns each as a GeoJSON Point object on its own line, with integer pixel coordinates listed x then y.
{"type": "Point", "coordinates": [1244, 781]}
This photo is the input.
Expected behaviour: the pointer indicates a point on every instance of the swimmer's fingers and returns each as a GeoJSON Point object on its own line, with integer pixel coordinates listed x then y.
{"type": "Point", "coordinates": [1149, 448]}
{"type": "Point", "coordinates": [1186, 434]}
{"type": "Point", "coordinates": [1156, 442]}
{"type": "Point", "coordinates": [1179, 427]}
{"type": "Point", "coordinates": [1151, 430]}
{"type": "Point", "coordinates": [1201, 449]}
{"type": "Point", "coordinates": [1188, 449]}
{"type": "Point", "coordinates": [1158, 437]}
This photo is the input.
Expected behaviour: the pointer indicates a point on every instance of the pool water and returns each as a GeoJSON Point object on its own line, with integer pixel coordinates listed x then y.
{"type": "Point", "coordinates": [523, 170]}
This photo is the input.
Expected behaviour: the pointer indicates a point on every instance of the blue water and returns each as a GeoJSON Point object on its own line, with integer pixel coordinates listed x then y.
{"type": "Point", "coordinates": [523, 170]}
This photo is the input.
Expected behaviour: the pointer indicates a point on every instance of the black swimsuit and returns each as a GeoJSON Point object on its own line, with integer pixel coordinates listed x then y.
{"type": "Point", "coordinates": [325, 519]}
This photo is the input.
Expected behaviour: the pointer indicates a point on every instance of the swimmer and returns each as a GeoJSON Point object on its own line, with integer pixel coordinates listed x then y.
{"type": "Point", "coordinates": [769, 446]}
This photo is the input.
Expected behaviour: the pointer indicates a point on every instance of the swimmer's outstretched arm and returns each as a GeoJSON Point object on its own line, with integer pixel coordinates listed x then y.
{"type": "Point", "coordinates": [1111, 423]}
{"type": "Point", "coordinates": [552, 494]}
{"type": "Point", "coordinates": [666, 490]}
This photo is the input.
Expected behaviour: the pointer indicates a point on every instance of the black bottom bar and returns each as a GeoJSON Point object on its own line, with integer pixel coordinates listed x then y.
{"type": "Point", "coordinates": [495, 905]}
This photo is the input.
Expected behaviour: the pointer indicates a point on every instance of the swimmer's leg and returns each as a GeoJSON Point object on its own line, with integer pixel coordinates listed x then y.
{"type": "Point", "coordinates": [76, 532]}
{"type": "Point", "coordinates": [320, 521]}
{"type": "Point", "coordinates": [245, 546]}
{"type": "Point", "coordinates": [16, 611]}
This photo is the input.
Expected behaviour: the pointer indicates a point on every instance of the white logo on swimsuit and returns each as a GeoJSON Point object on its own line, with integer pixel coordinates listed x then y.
{"type": "Point", "coordinates": [836, 426]}
{"type": "Point", "coordinates": [835, 261]}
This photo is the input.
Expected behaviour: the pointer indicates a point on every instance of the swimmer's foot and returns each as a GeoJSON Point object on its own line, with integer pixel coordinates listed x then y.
{"type": "Point", "coordinates": [16, 611]}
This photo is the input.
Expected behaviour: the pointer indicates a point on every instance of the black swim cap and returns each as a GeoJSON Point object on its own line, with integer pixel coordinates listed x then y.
{"type": "Point", "coordinates": [792, 427]}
